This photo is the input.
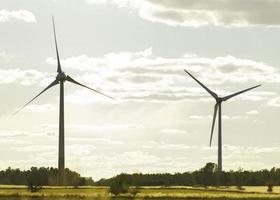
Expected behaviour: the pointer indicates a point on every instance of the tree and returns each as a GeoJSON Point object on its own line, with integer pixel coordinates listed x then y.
{"type": "Point", "coordinates": [209, 172]}
{"type": "Point", "coordinates": [35, 179]}
{"type": "Point", "coordinates": [119, 185]}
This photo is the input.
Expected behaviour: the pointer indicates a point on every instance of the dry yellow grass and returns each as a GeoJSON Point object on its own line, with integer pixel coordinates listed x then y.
{"type": "Point", "coordinates": [101, 193]}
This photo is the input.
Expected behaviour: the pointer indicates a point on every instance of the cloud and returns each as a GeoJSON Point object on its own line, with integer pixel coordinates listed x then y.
{"type": "Point", "coordinates": [142, 76]}
{"type": "Point", "coordinates": [119, 3]}
{"type": "Point", "coordinates": [250, 150]}
{"type": "Point", "coordinates": [80, 150]}
{"type": "Point", "coordinates": [134, 161]}
{"type": "Point", "coordinates": [166, 146]}
{"type": "Point", "coordinates": [224, 117]}
{"type": "Point", "coordinates": [39, 108]}
{"type": "Point", "coordinates": [21, 15]}
{"type": "Point", "coordinates": [98, 127]}
{"type": "Point", "coordinates": [111, 60]}
{"type": "Point", "coordinates": [196, 13]}
{"type": "Point", "coordinates": [257, 96]}
{"type": "Point", "coordinates": [85, 97]}
{"type": "Point", "coordinates": [97, 141]}
{"type": "Point", "coordinates": [14, 134]}
{"type": "Point", "coordinates": [5, 57]}
{"type": "Point", "coordinates": [96, 1]}
{"type": "Point", "coordinates": [252, 112]}
{"type": "Point", "coordinates": [30, 148]}
{"type": "Point", "coordinates": [22, 77]}
{"type": "Point", "coordinates": [172, 131]}
{"type": "Point", "coordinates": [275, 102]}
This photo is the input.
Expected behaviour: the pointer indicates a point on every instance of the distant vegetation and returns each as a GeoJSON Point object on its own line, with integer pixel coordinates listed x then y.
{"type": "Point", "coordinates": [36, 177]}
{"type": "Point", "coordinates": [206, 176]}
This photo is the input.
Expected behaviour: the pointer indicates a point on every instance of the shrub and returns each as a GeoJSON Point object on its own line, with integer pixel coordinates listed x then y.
{"type": "Point", "coordinates": [119, 186]}
{"type": "Point", "coordinates": [134, 191]}
{"type": "Point", "coordinates": [35, 179]}
{"type": "Point", "coordinates": [240, 187]}
{"type": "Point", "coordinates": [269, 187]}
{"type": "Point", "coordinates": [34, 188]}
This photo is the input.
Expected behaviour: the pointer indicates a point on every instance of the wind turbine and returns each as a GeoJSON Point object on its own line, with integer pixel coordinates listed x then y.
{"type": "Point", "coordinates": [60, 79]}
{"type": "Point", "coordinates": [218, 106]}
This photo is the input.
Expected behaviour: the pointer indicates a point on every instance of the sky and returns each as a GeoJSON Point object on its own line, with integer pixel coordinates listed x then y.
{"type": "Point", "coordinates": [136, 51]}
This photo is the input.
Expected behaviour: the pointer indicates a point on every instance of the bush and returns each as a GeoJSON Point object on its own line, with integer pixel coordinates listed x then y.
{"type": "Point", "coordinates": [35, 179]}
{"type": "Point", "coordinates": [269, 187]}
{"type": "Point", "coordinates": [240, 187]}
{"type": "Point", "coordinates": [134, 191]}
{"type": "Point", "coordinates": [119, 186]}
{"type": "Point", "coordinates": [34, 188]}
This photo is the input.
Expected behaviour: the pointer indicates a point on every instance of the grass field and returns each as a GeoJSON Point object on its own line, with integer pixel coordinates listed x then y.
{"type": "Point", "coordinates": [101, 193]}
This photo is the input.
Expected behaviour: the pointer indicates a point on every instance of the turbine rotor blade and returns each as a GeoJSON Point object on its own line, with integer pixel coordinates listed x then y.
{"type": "Point", "coordinates": [213, 94]}
{"type": "Point", "coordinates": [213, 122]}
{"type": "Point", "coordinates": [57, 54]}
{"type": "Point", "coordinates": [68, 78]}
{"type": "Point", "coordinates": [48, 87]}
{"type": "Point", "coordinates": [237, 93]}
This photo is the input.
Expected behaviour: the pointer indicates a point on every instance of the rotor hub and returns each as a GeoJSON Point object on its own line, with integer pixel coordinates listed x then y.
{"type": "Point", "coordinates": [61, 76]}
{"type": "Point", "coordinates": [219, 100]}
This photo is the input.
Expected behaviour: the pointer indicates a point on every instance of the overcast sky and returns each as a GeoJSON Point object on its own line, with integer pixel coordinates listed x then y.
{"type": "Point", "coordinates": [135, 51]}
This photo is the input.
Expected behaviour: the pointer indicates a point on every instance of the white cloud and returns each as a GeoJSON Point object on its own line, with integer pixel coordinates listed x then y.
{"type": "Point", "coordinates": [250, 150]}
{"type": "Point", "coordinates": [99, 141]}
{"type": "Point", "coordinates": [141, 76]}
{"type": "Point", "coordinates": [119, 3]}
{"type": "Point", "coordinates": [80, 150]}
{"type": "Point", "coordinates": [5, 57]}
{"type": "Point", "coordinates": [172, 131]}
{"type": "Point", "coordinates": [257, 96]}
{"type": "Point", "coordinates": [85, 97]}
{"type": "Point", "coordinates": [165, 146]}
{"type": "Point", "coordinates": [97, 127]}
{"type": "Point", "coordinates": [197, 117]}
{"type": "Point", "coordinates": [96, 1]}
{"type": "Point", "coordinates": [275, 102]}
{"type": "Point", "coordinates": [252, 112]}
{"type": "Point", "coordinates": [31, 148]}
{"type": "Point", "coordinates": [135, 161]}
{"type": "Point", "coordinates": [197, 13]}
{"type": "Point", "coordinates": [22, 15]}
{"type": "Point", "coordinates": [23, 77]}
{"type": "Point", "coordinates": [110, 60]}
{"type": "Point", "coordinates": [39, 108]}
{"type": "Point", "coordinates": [14, 134]}
{"type": "Point", "coordinates": [224, 117]}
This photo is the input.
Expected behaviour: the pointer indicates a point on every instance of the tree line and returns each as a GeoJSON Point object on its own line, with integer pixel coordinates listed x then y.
{"type": "Point", "coordinates": [206, 176]}
{"type": "Point", "coordinates": [41, 176]}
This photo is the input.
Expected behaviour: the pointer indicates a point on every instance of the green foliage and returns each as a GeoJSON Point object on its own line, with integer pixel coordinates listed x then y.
{"type": "Point", "coordinates": [206, 176]}
{"type": "Point", "coordinates": [37, 177]}
{"type": "Point", "coordinates": [134, 190]}
{"type": "Point", "coordinates": [209, 173]}
{"type": "Point", "coordinates": [119, 185]}
{"type": "Point", "coordinates": [269, 187]}
{"type": "Point", "coordinates": [34, 188]}
{"type": "Point", "coordinates": [240, 187]}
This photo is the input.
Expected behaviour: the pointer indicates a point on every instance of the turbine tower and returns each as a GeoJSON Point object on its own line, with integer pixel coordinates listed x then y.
{"type": "Point", "coordinates": [218, 107]}
{"type": "Point", "coordinates": [60, 79]}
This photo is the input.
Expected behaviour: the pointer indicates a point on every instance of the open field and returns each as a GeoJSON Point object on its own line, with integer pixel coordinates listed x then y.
{"type": "Point", "coordinates": [252, 192]}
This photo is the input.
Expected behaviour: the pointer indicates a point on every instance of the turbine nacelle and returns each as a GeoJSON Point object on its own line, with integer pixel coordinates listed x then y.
{"type": "Point", "coordinates": [219, 100]}
{"type": "Point", "coordinates": [61, 76]}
